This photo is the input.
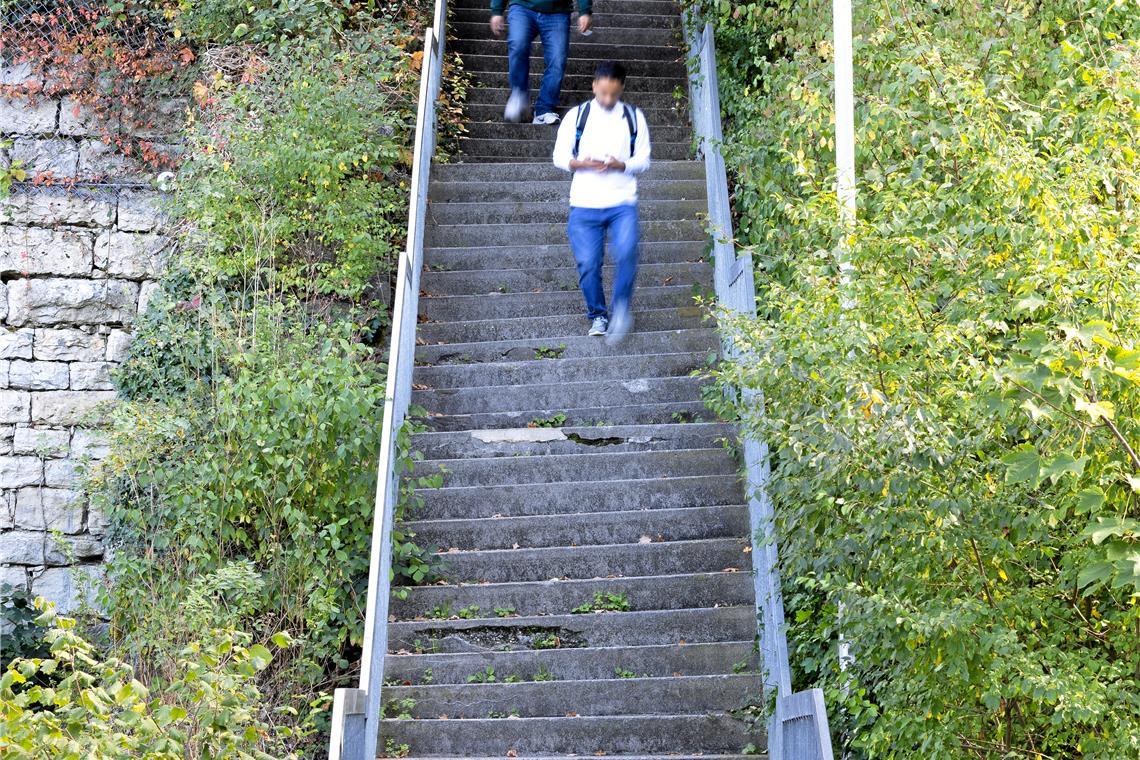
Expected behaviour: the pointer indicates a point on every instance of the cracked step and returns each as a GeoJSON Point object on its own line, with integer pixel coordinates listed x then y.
{"type": "Point", "coordinates": [569, 440]}
{"type": "Point", "coordinates": [558, 191]}
{"type": "Point", "coordinates": [541, 148]}
{"type": "Point", "coordinates": [600, 7]}
{"type": "Point", "coordinates": [548, 329]}
{"type": "Point", "coordinates": [551, 212]}
{"type": "Point", "coordinates": [556, 370]}
{"type": "Point", "coordinates": [671, 116]}
{"type": "Point", "coordinates": [597, 416]}
{"type": "Point", "coordinates": [666, 18]}
{"type": "Point", "coordinates": [497, 96]}
{"type": "Point", "coordinates": [545, 233]}
{"type": "Point", "coordinates": [558, 279]}
{"type": "Point", "coordinates": [571, 345]}
{"type": "Point", "coordinates": [514, 305]}
{"type": "Point", "coordinates": [654, 47]}
{"type": "Point", "coordinates": [526, 172]}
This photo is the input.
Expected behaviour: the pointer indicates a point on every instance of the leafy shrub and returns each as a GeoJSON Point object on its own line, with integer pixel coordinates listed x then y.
{"type": "Point", "coordinates": [18, 614]}
{"type": "Point", "coordinates": [75, 703]}
{"type": "Point", "coordinates": [954, 431]}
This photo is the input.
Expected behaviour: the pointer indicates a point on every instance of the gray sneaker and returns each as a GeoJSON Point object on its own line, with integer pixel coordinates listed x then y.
{"type": "Point", "coordinates": [599, 326]}
{"type": "Point", "coordinates": [516, 106]}
{"type": "Point", "coordinates": [622, 324]}
{"type": "Point", "coordinates": [547, 118]}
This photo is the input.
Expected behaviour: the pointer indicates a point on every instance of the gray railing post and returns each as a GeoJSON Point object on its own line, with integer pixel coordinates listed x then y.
{"type": "Point", "coordinates": [356, 711]}
{"type": "Point", "coordinates": [798, 729]}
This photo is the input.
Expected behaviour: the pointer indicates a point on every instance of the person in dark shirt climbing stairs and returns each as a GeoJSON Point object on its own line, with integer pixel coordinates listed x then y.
{"type": "Point", "coordinates": [550, 21]}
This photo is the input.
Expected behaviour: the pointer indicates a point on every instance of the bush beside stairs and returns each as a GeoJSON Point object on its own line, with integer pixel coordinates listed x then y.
{"type": "Point", "coordinates": [598, 596]}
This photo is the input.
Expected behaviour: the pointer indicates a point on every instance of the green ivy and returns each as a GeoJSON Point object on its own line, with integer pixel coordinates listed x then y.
{"type": "Point", "coordinates": [954, 430]}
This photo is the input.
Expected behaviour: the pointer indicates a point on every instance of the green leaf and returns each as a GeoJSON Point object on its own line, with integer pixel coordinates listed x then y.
{"type": "Point", "coordinates": [1097, 411]}
{"type": "Point", "coordinates": [1098, 572]}
{"type": "Point", "coordinates": [1062, 464]}
{"type": "Point", "coordinates": [1090, 500]}
{"type": "Point", "coordinates": [1022, 465]}
{"type": "Point", "coordinates": [1105, 527]}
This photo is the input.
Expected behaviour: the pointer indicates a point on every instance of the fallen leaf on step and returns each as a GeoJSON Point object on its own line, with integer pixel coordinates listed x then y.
{"type": "Point", "coordinates": [453, 550]}
{"type": "Point", "coordinates": [444, 717]}
{"type": "Point", "coordinates": [645, 540]}
{"type": "Point", "coordinates": [731, 570]}
{"type": "Point", "coordinates": [514, 546]}
{"type": "Point", "coordinates": [512, 753]}
{"type": "Point", "coordinates": [667, 280]}
{"type": "Point", "coordinates": [682, 642]}
{"type": "Point", "coordinates": [571, 715]}
{"type": "Point", "coordinates": [420, 387]}
{"type": "Point", "coordinates": [748, 550]}
{"type": "Point", "coordinates": [496, 517]}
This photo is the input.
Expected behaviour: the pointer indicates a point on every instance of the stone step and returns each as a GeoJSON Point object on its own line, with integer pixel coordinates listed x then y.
{"type": "Point", "coordinates": [635, 43]}
{"type": "Point", "coordinates": [558, 191]}
{"type": "Point", "coordinates": [667, 17]}
{"type": "Point", "coordinates": [576, 395]}
{"type": "Point", "coordinates": [570, 440]}
{"type": "Point", "coordinates": [529, 172]}
{"type": "Point", "coordinates": [561, 279]}
{"type": "Point", "coordinates": [654, 413]}
{"type": "Point", "coordinates": [592, 497]}
{"type": "Point", "coordinates": [583, 528]}
{"type": "Point", "coordinates": [657, 118]}
{"type": "Point", "coordinates": [512, 305]}
{"type": "Point", "coordinates": [613, 696]}
{"type": "Point", "coordinates": [557, 597]}
{"type": "Point", "coordinates": [580, 735]}
{"type": "Point", "coordinates": [600, 7]}
{"type": "Point", "coordinates": [552, 212]}
{"type": "Point", "coordinates": [553, 256]}
{"type": "Point", "coordinates": [570, 97]}
{"type": "Point", "coordinates": [552, 371]}
{"type": "Point", "coordinates": [575, 664]}
{"type": "Point", "coordinates": [576, 345]}
{"type": "Point", "coordinates": [620, 560]}
{"type": "Point", "coordinates": [563, 468]}
{"type": "Point", "coordinates": [549, 329]}
{"type": "Point", "coordinates": [698, 755]}
{"type": "Point", "coordinates": [659, 627]}
{"type": "Point", "coordinates": [536, 149]}
{"type": "Point", "coordinates": [579, 72]}
{"type": "Point", "coordinates": [544, 134]}
{"type": "Point", "coordinates": [546, 233]}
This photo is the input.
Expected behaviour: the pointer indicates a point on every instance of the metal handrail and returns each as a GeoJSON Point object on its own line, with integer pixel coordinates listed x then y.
{"type": "Point", "coordinates": [356, 711]}
{"type": "Point", "coordinates": [799, 727]}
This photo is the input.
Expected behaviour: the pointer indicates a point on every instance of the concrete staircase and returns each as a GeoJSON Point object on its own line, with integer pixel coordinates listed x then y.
{"type": "Point", "coordinates": [579, 477]}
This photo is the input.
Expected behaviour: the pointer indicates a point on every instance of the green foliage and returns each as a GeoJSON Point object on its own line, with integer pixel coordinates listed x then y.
{"type": "Point", "coordinates": [487, 675]}
{"type": "Point", "coordinates": [954, 427]}
{"type": "Point", "coordinates": [604, 602]}
{"type": "Point", "coordinates": [23, 637]}
{"type": "Point", "coordinates": [553, 421]}
{"type": "Point", "coordinates": [74, 703]}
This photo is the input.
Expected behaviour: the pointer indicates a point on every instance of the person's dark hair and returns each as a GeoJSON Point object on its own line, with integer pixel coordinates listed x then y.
{"type": "Point", "coordinates": [610, 70]}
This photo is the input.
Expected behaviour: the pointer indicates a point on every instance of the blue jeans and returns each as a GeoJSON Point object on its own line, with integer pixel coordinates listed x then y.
{"type": "Point", "coordinates": [524, 25]}
{"type": "Point", "coordinates": [587, 232]}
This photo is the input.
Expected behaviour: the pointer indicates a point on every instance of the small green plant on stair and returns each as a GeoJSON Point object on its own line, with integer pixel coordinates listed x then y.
{"type": "Point", "coordinates": [547, 352]}
{"type": "Point", "coordinates": [469, 613]}
{"type": "Point", "coordinates": [486, 675]}
{"type": "Point", "coordinates": [542, 675]}
{"type": "Point", "coordinates": [557, 420]}
{"type": "Point", "coordinates": [400, 709]}
{"type": "Point", "coordinates": [505, 612]}
{"type": "Point", "coordinates": [604, 602]}
{"type": "Point", "coordinates": [391, 749]}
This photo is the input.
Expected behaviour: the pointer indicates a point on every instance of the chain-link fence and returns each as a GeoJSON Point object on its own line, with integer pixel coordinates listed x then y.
{"type": "Point", "coordinates": [87, 95]}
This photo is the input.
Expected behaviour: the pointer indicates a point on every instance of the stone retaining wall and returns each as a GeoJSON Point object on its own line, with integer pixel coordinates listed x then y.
{"type": "Point", "coordinates": [76, 268]}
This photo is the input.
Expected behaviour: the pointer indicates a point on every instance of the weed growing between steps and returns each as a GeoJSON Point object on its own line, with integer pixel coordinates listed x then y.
{"type": "Point", "coordinates": [954, 427]}
{"type": "Point", "coordinates": [243, 455]}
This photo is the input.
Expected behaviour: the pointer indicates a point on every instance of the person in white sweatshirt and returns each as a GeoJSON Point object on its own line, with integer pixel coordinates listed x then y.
{"type": "Point", "coordinates": [605, 144]}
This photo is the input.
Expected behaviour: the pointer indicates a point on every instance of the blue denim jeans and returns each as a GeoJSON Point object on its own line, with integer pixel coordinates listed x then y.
{"type": "Point", "coordinates": [524, 25]}
{"type": "Point", "coordinates": [587, 232]}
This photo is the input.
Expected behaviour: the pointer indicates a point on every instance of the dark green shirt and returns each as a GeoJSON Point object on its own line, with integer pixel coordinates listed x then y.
{"type": "Point", "coordinates": [544, 6]}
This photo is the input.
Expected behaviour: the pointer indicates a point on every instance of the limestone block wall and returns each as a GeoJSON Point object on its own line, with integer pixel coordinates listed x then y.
{"type": "Point", "coordinates": [77, 265]}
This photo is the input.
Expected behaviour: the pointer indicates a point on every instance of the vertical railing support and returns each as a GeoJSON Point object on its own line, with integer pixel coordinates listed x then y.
{"type": "Point", "coordinates": [356, 711]}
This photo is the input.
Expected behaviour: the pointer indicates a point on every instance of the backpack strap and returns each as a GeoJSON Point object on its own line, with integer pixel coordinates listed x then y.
{"type": "Point", "coordinates": [631, 120]}
{"type": "Point", "coordinates": [583, 114]}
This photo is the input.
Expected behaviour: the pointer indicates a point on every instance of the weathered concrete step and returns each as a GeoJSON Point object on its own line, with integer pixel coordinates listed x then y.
{"type": "Point", "coordinates": [562, 468]}
{"type": "Point", "coordinates": [574, 664]}
{"type": "Point", "coordinates": [563, 279]}
{"type": "Point", "coordinates": [584, 528]}
{"type": "Point", "coordinates": [600, 7]}
{"type": "Point", "coordinates": [503, 131]}
{"type": "Point", "coordinates": [580, 71]}
{"type": "Point", "coordinates": [569, 440]}
{"type": "Point", "coordinates": [547, 329]}
{"type": "Point", "coordinates": [654, 46]}
{"type": "Point", "coordinates": [558, 190]}
{"type": "Point", "coordinates": [621, 560]}
{"type": "Point", "coordinates": [577, 395]}
{"type": "Point", "coordinates": [632, 414]}
{"type": "Point", "coordinates": [657, 118]}
{"type": "Point", "coordinates": [605, 34]}
{"type": "Point", "coordinates": [667, 17]}
{"type": "Point", "coordinates": [584, 497]}
{"type": "Point", "coordinates": [507, 173]}
{"type": "Point", "coordinates": [557, 597]}
{"type": "Point", "coordinates": [552, 371]}
{"type": "Point", "coordinates": [614, 696]}
{"type": "Point", "coordinates": [577, 346]}
{"type": "Point", "coordinates": [555, 211]}
{"type": "Point", "coordinates": [497, 96]}
{"type": "Point", "coordinates": [546, 233]}
{"type": "Point", "coordinates": [542, 148]}
{"type": "Point", "coordinates": [553, 256]}
{"type": "Point", "coordinates": [660, 627]}
{"type": "Point", "coordinates": [512, 305]}
{"type": "Point", "coordinates": [582, 735]}
{"type": "Point", "coordinates": [670, 756]}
